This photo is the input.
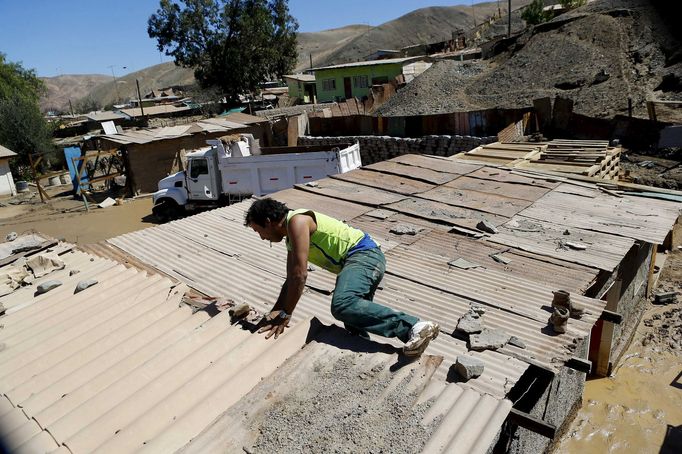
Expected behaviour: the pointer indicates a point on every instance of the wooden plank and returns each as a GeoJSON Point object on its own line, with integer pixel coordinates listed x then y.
{"type": "Point", "coordinates": [528, 193]}
{"type": "Point", "coordinates": [603, 361]}
{"type": "Point", "coordinates": [480, 201]}
{"type": "Point", "coordinates": [538, 426]}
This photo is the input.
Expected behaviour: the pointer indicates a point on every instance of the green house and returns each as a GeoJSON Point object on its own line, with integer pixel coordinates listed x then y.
{"type": "Point", "coordinates": [339, 82]}
{"type": "Point", "coordinates": [301, 86]}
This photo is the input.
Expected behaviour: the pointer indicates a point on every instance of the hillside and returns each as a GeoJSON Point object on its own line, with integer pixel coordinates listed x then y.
{"type": "Point", "coordinates": [157, 76]}
{"type": "Point", "coordinates": [598, 55]}
{"type": "Point", "coordinates": [340, 45]}
{"type": "Point", "coordinates": [71, 86]}
{"type": "Point", "coordinates": [425, 25]}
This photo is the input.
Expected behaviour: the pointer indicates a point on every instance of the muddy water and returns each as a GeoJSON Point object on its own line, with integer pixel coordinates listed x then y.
{"type": "Point", "coordinates": [632, 410]}
{"type": "Point", "coordinates": [80, 227]}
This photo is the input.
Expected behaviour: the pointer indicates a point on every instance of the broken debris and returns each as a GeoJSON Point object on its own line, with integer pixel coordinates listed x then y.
{"type": "Point", "coordinates": [665, 298]}
{"type": "Point", "coordinates": [106, 203]}
{"type": "Point", "coordinates": [44, 264]}
{"type": "Point", "coordinates": [516, 342]}
{"type": "Point", "coordinates": [469, 367]}
{"type": "Point", "coordinates": [405, 229]}
{"type": "Point", "coordinates": [11, 236]}
{"type": "Point", "coordinates": [463, 264]}
{"type": "Point", "coordinates": [486, 226]}
{"type": "Point", "coordinates": [82, 285]}
{"type": "Point", "coordinates": [499, 258]}
{"type": "Point", "coordinates": [470, 323]}
{"type": "Point", "coordinates": [488, 339]}
{"type": "Point", "coordinates": [47, 286]}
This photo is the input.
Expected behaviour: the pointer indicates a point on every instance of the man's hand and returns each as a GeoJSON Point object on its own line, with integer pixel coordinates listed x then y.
{"type": "Point", "coordinates": [274, 324]}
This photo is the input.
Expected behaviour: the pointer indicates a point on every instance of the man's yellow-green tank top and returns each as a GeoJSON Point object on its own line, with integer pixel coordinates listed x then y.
{"type": "Point", "coordinates": [331, 242]}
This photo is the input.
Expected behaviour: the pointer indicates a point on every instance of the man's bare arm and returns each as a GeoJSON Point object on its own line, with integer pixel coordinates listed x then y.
{"type": "Point", "coordinates": [297, 273]}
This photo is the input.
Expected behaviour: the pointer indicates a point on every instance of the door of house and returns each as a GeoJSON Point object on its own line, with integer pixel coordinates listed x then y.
{"type": "Point", "coordinates": [347, 88]}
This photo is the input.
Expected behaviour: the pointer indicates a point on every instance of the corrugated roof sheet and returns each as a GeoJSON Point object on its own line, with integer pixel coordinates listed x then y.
{"type": "Point", "coordinates": [105, 116]}
{"type": "Point", "coordinates": [388, 61]}
{"type": "Point", "coordinates": [171, 132]}
{"type": "Point", "coordinates": [123, 367]}
{"type": "Point", "coordinates": [6, 152]}
{"type": "Point", "coordinates": [114, 369]}
{"type": "Point", "coordinates": [155, 110]}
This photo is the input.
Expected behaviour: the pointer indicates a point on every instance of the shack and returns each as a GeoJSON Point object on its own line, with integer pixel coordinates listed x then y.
{"type": "Point", "coordinates": [6, 180]}
{"type": "Point", "coordinates": [154, 153]}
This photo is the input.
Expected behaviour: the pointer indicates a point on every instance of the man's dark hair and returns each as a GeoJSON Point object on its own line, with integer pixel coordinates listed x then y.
{"type": "Point", "coordinates": [263, 209]}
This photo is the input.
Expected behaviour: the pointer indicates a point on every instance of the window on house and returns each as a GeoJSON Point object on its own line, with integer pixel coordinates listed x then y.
{"type": "Point", "coordinates": [379, 80]}
{"type": "Point", "coordinates": [360, 81]}
{"type": "Point", "coordinates": [329, 84]}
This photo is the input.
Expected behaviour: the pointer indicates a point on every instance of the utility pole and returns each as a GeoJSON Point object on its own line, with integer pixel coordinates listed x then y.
{"type": "Point", "coordinates": [118, 98]}
{"type": "Point", "coordinates": [509, 19]}
{"type": "Point", "coordinates": [139, 97]}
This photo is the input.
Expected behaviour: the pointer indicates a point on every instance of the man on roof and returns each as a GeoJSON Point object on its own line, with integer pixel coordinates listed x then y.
{"type": "Point", "coordinates": [345, 251]}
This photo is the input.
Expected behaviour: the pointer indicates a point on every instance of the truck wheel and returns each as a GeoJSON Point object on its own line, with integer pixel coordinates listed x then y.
{"type": "Point", "coordinates": [166, 210]}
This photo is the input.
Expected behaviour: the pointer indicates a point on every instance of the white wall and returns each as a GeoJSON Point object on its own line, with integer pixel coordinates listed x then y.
{"type": "Point", "coordinates": [6, 180]}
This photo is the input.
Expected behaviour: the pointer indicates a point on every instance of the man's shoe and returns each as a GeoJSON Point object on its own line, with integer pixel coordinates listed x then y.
{"type": "Point", "coordinates": [420, 335]}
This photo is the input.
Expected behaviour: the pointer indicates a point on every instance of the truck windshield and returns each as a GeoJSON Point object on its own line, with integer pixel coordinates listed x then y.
{"type": "Point", "coordinates": [198, 167]}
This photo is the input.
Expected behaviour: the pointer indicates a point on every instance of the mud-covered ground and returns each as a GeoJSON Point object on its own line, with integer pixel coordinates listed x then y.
{"type": "Point", "coordinates": [639, 408]}
{"type": "Point", "coordinates": [64, 217]}
{"type": "Point", "coordinates": [663, 170]}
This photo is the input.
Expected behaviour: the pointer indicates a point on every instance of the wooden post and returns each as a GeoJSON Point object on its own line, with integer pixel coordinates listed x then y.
{"type": "Point", "coordinates": [651, 110]}
{"type": "Point", "coordinates": [652, 266]}
{"type": "Point", "coordinates": [603, 364]}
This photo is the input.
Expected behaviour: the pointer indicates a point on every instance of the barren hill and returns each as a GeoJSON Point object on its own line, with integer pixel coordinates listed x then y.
{"type": "Point", "coordinates": [61, 89]}
{"type": "Point", "coordinates": [598, 55]}
{"type": "Point", "coordinates": [157, 76]}
{"type": "Point", "coordinates": [425, 25]}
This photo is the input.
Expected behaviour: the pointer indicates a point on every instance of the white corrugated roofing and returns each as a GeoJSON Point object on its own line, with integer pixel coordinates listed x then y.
{"type": "Point", "coordinates": [170, 132]}
{"type": "Point", "coordinates": [6, 152]}
{"type": "Point", "coordinates": [124, 367]}
{"type": "Point", "coordinates": [387, 61]}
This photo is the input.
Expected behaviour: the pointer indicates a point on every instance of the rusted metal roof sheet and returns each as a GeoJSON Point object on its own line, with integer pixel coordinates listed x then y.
{"type": "Point", "coordinates": [412, 171]}
{"type": "Point", "coordinates": [352, 192]}
{"type": "Point", "coordinates": [529, 192]}
{"type": "Point", "coordinates": [437, 163]}
{"type": "Point", "coordinates": [485, 286]}
{"type": "Point", "coordinates": [511, 261]}
{"type": "Point", "coordinates": [339, 209]}
{"type": "Point", "coordinates": [632, 217]}
{"type": "Point", "coordinates": [393, 183]}
{"type": "Point", "coordinates": [481, 201]}
{"type": "Point", "coordinates": [450, 214]}
{"type": "Point", "coordinates": [561, 241]}
{"type": "Point", "coordinates": [503, 175]}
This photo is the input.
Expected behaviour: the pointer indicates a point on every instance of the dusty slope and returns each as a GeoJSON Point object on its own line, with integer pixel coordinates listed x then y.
{"type": "Point", "coordinates": [425, 25]}
{"type": "Point", "coordinates": [157, 76]}
{"type": "Point", "coordinates": [598, 55]}
{"type": "Point", "coordinates": [70, 86]}
{"type": "Point", "coordinates": [321, 44]}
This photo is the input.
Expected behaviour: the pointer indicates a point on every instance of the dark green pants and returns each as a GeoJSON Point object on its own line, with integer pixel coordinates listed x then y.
{"type": "Point", "coordinates": [352, 301]}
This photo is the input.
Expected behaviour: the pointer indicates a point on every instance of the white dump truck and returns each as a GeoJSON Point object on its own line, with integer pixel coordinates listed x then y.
{"type": "Point", "coordinates": [234, 167]}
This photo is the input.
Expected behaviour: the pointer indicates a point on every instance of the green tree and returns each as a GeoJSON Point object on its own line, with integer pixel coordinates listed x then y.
{"type": "Point", "coordinates": [232, 44]}
{"type": "Point", "coordinates": [23, 129]}
{"type": "Point", "coordinates": [533, 13]}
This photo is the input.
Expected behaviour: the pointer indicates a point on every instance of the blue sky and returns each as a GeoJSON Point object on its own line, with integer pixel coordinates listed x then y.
{"type": "Point", "coordinates": [95, 36]}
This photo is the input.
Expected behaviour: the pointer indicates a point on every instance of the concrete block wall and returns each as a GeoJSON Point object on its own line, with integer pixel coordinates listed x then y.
{"type": "Point", "coordinates": [380, 148]}
{"type": "Point", "coordinates": [558, 406]}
